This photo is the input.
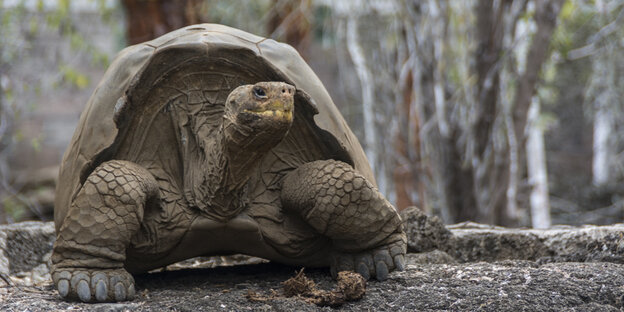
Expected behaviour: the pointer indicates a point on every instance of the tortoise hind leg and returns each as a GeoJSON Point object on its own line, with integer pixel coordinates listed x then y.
{"type": "Point", "coordinates": [366, 231]}
{"type": "Point", "coordinates": [90, 250]}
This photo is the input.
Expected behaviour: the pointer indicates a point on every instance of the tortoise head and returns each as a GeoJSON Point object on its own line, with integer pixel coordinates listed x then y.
{"type": "Point", "coordinates": [263, 112]}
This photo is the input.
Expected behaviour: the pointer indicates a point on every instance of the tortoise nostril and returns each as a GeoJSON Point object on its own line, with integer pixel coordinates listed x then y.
{"type": "Point", "coordinates": [284, 91]}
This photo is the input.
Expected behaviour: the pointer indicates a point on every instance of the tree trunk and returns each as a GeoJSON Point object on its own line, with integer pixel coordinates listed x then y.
{"type": "Point", "coordinates": [546, 19]}
{"type": "Point", "coordinates": [5, 136]}
{"type": "Point", "coordinates": [498, 168]}
{"type": "Point", "coordinates": [602, 148]}
{"type": "Point", "coordinates": [146, 19]}
{"type": "Point", "coordinates": [488, 184]}
{"type": "Point", "coordinates": [538, 174]}
{"type": "Point", "coordinates": [407, 149]}
{"type": "Point", "coordinates": [367, 86]}
{"type": "Point", "coordinates": [433, 148]}
{"type": "Point", "coordinates": [603, 92]}
{"type": "Point", "coordinates": [289, 22]}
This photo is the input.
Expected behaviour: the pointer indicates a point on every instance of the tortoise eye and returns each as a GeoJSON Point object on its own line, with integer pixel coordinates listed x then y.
{"type": "Point", "coordinates": [259, 92]}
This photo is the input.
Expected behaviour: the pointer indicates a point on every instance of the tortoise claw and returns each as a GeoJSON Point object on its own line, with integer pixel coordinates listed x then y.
{"type": "Point", "coordinates": [87, 285]}
{"type": "Point", "coordinates": [377, 263]}
{"type": "Point", "coordinates": [83, 291]}
{"type": "Point", "coordinates": [63, 288]}
{"type": "Point", "coordinates": [399, 262]}
{"type": "Point", "coordinates": [382, 271]}
{"type": "Point", "coordinates": [365, 266]}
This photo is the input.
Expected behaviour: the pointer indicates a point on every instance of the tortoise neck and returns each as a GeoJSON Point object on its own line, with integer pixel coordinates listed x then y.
{"type": "Point", "coordinates": [227, 162]}
{"type": "Point", "coordinates": [217, 178]}
{"type": "Point", "coordinates": [243, 150]}
{"type": "Point", "coordinates": [224, 171]}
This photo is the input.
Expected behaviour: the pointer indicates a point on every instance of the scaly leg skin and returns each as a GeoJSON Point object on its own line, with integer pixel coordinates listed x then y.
{"type": "Point", "coordinates": [365, 229]}
{"type": "Point", "coordinates": [90, 249]}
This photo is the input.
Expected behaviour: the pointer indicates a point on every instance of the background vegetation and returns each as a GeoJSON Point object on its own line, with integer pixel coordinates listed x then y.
{"type": "Point", "coordinates": [503, 112]}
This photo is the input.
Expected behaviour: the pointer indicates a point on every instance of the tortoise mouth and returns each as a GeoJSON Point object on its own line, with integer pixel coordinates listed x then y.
{"type": "Point", "coordinates": [274, 114]}
{"type": "Point", "coordinates": [276, 109]}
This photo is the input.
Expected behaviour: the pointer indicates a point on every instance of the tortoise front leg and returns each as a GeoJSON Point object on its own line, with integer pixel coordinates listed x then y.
{"type": "Point", "coordinates": [90, 250]}
{"type": "Point", "coordinates": [365, 229]}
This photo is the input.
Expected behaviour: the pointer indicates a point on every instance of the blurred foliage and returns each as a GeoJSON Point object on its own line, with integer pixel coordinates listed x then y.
{"type": "Point", "coordinates": [74, 77]}
{"type": "Point", "coordinates": [14, 208]}
{"type": "Point", "coordinates": [21, 25]}
{"type": "Point", "coordinates": [250, 16]}
{"type": "Point", "coordinates": [564, 88]}
{"type": "Point", "coordinates": [254, 16]}
{"type": "Point", "coordinates": [584, 36]}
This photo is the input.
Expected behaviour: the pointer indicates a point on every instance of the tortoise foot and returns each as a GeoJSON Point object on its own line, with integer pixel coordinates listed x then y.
{"type": "Point", "coordinates": [366, 231]}
{"type": "Point", "coordinates": [90, 285]}
{"type": "Point", "coordinates": [377, 262]}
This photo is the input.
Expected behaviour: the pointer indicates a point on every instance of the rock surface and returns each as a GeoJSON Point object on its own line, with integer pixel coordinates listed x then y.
{"type": "Point", "coordinates": [440, 280]}
{"type": "Point", "coordinates": [424, 233]}
{"type": "Point", "coordinates": [24, 251]}
{"type": "Point", "coordinates": [476, 242]}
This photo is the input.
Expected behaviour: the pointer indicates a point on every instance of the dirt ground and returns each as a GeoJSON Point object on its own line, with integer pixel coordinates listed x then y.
{"type": "Point", "coordinates": [513, 285]}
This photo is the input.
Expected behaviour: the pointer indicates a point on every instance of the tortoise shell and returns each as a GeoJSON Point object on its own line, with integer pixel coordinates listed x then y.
{"type": "Point", "coordinates": [141, 109]}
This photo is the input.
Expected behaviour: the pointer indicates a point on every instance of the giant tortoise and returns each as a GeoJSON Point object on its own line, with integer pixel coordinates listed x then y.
{"type": "Point", "coordinates": [213, 141]}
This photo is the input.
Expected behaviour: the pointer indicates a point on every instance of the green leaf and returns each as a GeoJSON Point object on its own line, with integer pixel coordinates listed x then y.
{"type": "Point", "coordinates": [8, 94]}
{"type": "Point", "coordinates": [567, 10]}
{"type": "Point", "coordinates": [13, 208]}
{"type": "Point", "coordinates": [76, 41]}
{"type": "Point", "coordinates": [33, 26]}
{"type": "Point", "coordinates": [82, 81]}
{"type": "Point", "coordinates": [18, 136]}
{"type": "Point", "coordinates": [63, 7]}
{"type": "Point", "coordinates": [74, 77]}
{"type": "Point", "coordinates": [35, 143]}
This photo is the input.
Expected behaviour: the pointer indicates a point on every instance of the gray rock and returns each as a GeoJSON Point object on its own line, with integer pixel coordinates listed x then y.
{"type": "Point", "coordinates": [432, 281]}
{"type": "Point", "coordinates": [476, 242]}
{"type": "Point", "coordinates": [514, 285]}
{"type": "Point", "coordinates": [25, 246]}
{"type": "Point", "coordinates": [424, 233]}
{"type": "Point", "coordinates": [430, 257]}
